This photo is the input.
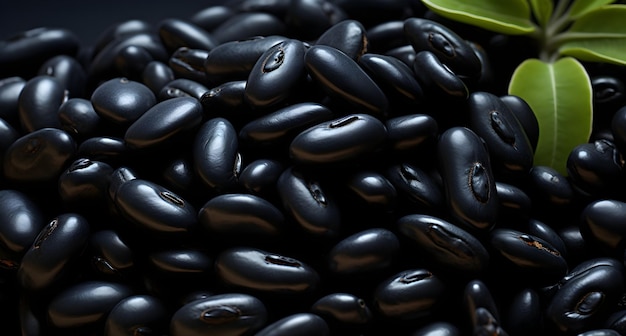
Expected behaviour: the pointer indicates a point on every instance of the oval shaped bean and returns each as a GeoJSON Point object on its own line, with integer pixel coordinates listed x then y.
{"type": "Point", "coordinates": [163, 122]}
{"type": "Point", "coordinates": [514, 202]}
{"type": "Point", "coordinates": [54, 250]}
{"type": "Point", "coordinates": [110, 254]}
{"type": "Point", "coordinates": [409, 295]}
{"type": "Point", "coordinates": [524, 315]}
{"type": "Point", "coordinates": [245, 25]}
{"type": "Point", "coordinates": [131, 61]}
{"type": "Point", "coordinates": [227, 97]}
{"type": "Point", "coordinates": [305, 324]}
{"type": "Point", "coordinates": [68, 71]}
{"type": "Point", "coordinates": [137, 315]}
{"type": "Point", "coordinates": [386, 35]}
{"type": "Point", "coordinates": [341, 139]}
{"type": "Point", "coordinates": [103, 148]}
{"type": "Point", "coordinates": [215, 154]}
{"type": "Point", "coordinates": [182, 87]}
{"type": "Point", "coordinates": [85, 303]}
{"type": "Point", "coordinates": [118, 30]}
{"type": "Point", "coordinates": [263, 271]}
{"type": "Point", "coordinates": [241, 214]}
{"type": "Point", "coordinates": [600, 225]}
{"type": "Point", "coordinates": [260, 176]}
{"type": "Point", "coordinates": [122, 101]}
{"type": "Point", "coordinates": [304, 199]}
{"type": "Point", "coordinates": [10, 89]}
{"type": "Point", "coordinates": [422, 191]}
{"type": "Point", "coordinates": [596, 168]}
{"type": "Point", "coordinates": [467, 178]}
{"type": "Point", "coordinates": [548, 186]}
{"type": "Point", "coordinates": [525, 115]}
{"type": "Point", "coordinates": [308, 19]}
{"type": "Point", "coordinates": [450, 247]}
{"type": "Point", "coordinates": [348, 36]}
{"type": "Point", "coordinates": [177, 33]}
{"type": "Point", "coordinates": [78, 117]}
{"type": "Point", "coordinates": [154, 208]}
{"type": "Point", "coordinates": [344, 308]}
{"type": "Point", "coordinates": [363, 252]}
{"type": "Point", "coordinates": [156, 75]}
{"type": "Point", "coordinates": [223, 314]}
{"type": "Point", "coordinates": [21, 220]}
{"type": "Point", "coordinates": [211, 17]}
{"type": "Point", "coordinates": [341, 76]}
{"type": "Point", "coordinates": [393, 76]}
{"type": "Point", "coordinates": [436, 78]}
{"type": "Point", "coordinates": [189, 64]}
{"type": "Point", "coordinates": [39, 103]}
{"type": "Point", "coordinates": [83, 185]}
{"type": "Point", "coordinates": [374, 189]}
{"type": "Point", "coordinates": [38, 156]}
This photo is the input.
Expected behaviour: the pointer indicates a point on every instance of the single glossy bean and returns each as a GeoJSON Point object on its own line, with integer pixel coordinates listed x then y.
{"type": "Point", "coordinates": [211, 17]}
{"type": "Point", "coordinates": [68, 71]}
{"type": "Point", "coordinates": [596, 168]}
{"type": "Point", "coordinates": [122, 101]}
{"type": "Point", "coordinates": [78, 118]}
{"type": "Point", "coordinates": [85, 303]}
{"type": "Point", "coordinates": [547, 233]}
{"type": "Point", "coordinates": [348, 36]}
{"type": "Point", "coordinates": [525, 115]}
{"type": "Point", "coordinates": [373, 189]}
{"type": "Point", "coordinates": [308, 19]}
{"type": "Point", "coordinates": [262, 271]}
{"type": "Point", "coordinates": [21, 220]}
{"type": "Point", "coordinates": [524, 314]}
{"type": "Point", "coordinates": [177, 33]}
{"type": "Point", "coordinates": [393, 76]}
{"type": "Point", "coordinates": [467, 177]}
{"type": "Point", "coordinates": [119, 30]}
{"type": "Point", "coordinates": [609, 94]}
{"type": "Point", "coordinates": [38, 156]}
{"type": "Point", "coordinates": [410, 132]}
{"type": "Point", "coordinates": [436, 78]}
{"type": "Point", "coordinates": [422, 192]}
{"type": "Point", "coordinates": [156, 75]}
{"type": "Point", "coordinates": [247, 24]}
{"type": "Point", "coordinates": [131, 61]}
{"type": "Point", "coordinates": [385, 36]}
{"type": "Point", "coordinates": [341, 76]}
{"type": "Point", "coordinates": [277, 72]}
{"type": "Point", "coordinates": [180, 177]}
{"type": "Point", "coordinates": [103, 148]}
{"type": "Point", "coordinates": [10, 89]}
{"type": "Point", "coordinates": [83, 185]}
{"type": "Point", "coordinates": [448, 246]}
{"type": "Point", "coordinates": [344, 308]}
{"type": "Point", "coordinates": [600, 225]}
{"type": "Point", "coordinates": [137, 315]}
{"type": "Point", "coordinates": [189, 64]}
{"type": "Point", "coordinates": [54, 251]}
{"type": "Point", "coordinates": [343, 139]}
{"type": "Point", "coordinates": [259, 177]}
{"type": "Point", "coordinates": [364, 252]}
{"type": "Point", "coordinates": [226, 100]}
{"type": "Point", "coordinates": [110, 255]}
{"type": "Point", "coordinates": [39, 103]}
{"type": "Point", "coordinates": [223, 314]}
{"type": "Point", "coordinates": [182, 87]}
{"type": "Point", "coordinates": [514, 202]}
{"type": "Point", "coordinates": [163, 122]}
{"type": "Point", "coordinates": [547, 185]}
{"type": "Point", "coordinates": [305, 324]}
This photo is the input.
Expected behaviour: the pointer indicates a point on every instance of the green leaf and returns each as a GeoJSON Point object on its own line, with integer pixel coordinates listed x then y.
{"type": "Point", "coordinates": [598, 36]}
{"type": "Point", "coordinates": [542, 10]}
{"type": "Point", "coordinates": [506, 17]}
{"type": "Point", "coordinates": [560, 95]}
{"type": "Point", "coordinates": [582, 7]}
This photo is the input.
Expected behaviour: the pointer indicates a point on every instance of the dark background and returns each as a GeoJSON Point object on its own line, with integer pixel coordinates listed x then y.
{"type": "Point", "coordinates": [88, 18]}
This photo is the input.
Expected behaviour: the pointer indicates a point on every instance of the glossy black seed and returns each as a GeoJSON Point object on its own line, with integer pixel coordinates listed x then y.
{"type": "Point", "coordinates": [479, 303]}
{"type": "Point", "coordinates": [226, 100]}
{"type": "Point", "coordinates": [525, 115]}
{"type": "Point", "coordinates": [155, 209]}
{"type": "Point", "coordinates": [189, 64]}
{"type": "Point", "coordinates": [10, 89]}
{"type": "Point", "coordinates": [211, 17]}
{"type": "Point", "coordinates": [103, 148]}
{"type": "Point", "coordinates": [39, 103]}
{"type": "Point", "coordinates": [55, 249]}
{"type": "Point", "coordinates": [38, 156]}
{"type": "Point", "coordinates": [227, 314]}
{"type": "Point", "coordinates": [68, 71]}
{"type": "Point", "coordinates": [110, 255]}
{"type": "Point", "coordinates": [119, 176]}
{"type": "Point", "coordinates": [173, 266]}
{"type": "Point", "coordinates": [120, 30]}
{"type": "Point", "coordinates": [547, 233]}
{"type": "Point", "coordinates": [548, 185]}
{"type": "Point", "coordinates": [305, 324]}
{"type": "Point", "coordinates": [259, 177]}
{"type": "Point", "coordinates": [405, 53]}
{"type": "Point", "coordinates": [438, 329]}
{"type": "Point", "coordinates": [446, 45]}
{"type": "Point", "coordinates": [385, 36]}
{"type": "Point", "coordinates": [342, 139]}
{"type": "Point", "coordinates": [600, 225]}
{"type": "Point", "coordinates": [23, 53]}
{"type": "Point", "coordinates": [524, 314]}
{"type": "Point", "coordinates": [596, 168]}
{"type": "Point", "coordinates": [364, 252]}
{"type": "Point", "coordinates": [122, 101]}
{"type": "Point", "coordinates": [276, 74]}
{"type": "Point", "coordinates": [177, 33]}
{"type": "Point", "coordinates": [263, 271]}
{"type": "Point", "coordinates": [409, 295]}
{"type": "Point", "coordinates": [410, 132]}
{"type": "Point", "coordinates": [85, 303]}
{"type": "Point", "coordinates": [215, 155]}
{"type": "Point", "coordinates": [137, 315]}
{"type": "Point", "coordinates": [423, 193]}
{"type": "Point", "coordinates": [348, 36]}
{"type": "Point", "coordinates": [182, 87]}
{"type": "Point", "coordinates": [609, 94]}
{"type": "Point", "coordinates": [450, 247]}
{"type": "Point", "coordinates": [342, 77]}
{"type": "Point", "coordinates": [83, 185]}
{"type": "Point", "coordinates": [514, 202]}
{"type": "Point", "coordinates": [241, 214]}
{"type": "Point", "coordinates": [79, 118]}
{"type": "Point", "coordinates": [374, 189]}
{"type": "Point", "coordinates": [156, 75]}
{"type": "Point", "coordinates": [21, 221]}
{"type": "Point", "coordinates": [245, 25]}
{"type": "Point", "coordinates": [393, 76]}
{"type": "Point", "coordinates": [164, 121]}
{"type": "Point", "coordinates": [470, 189]}
{"type": "Point", "coordinates": [344, 308]}
{"type": "Point", "coordinates": [131, 62]}
{"type": "Point", "coordinates": [308, 19]}
{"type": "Point", "coordinates": [436, 78]}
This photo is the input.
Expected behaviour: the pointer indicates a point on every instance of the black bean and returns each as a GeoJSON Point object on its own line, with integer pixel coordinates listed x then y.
{"type": "Point", "coordinates": [609, 94]}
{"type": "Point", "coordinates": [8, 135]}
{"type": "Point", "coordinates": [305, 200]}
{"type": "Point", "coordinates": [119, 176]}
{"type": "Point", "coordinates": [137, 315]}
{"type": "Point", "coordinates": [167, 269]}
{"type": "Point", "coordinates": [259, 177]}
{"type": "Point", "coordinates": [445, 44]}
{"type": "Point", "coordinates": [510, 150]}
{"type": "Point", "coordinates": [305, 324]}
{"type": "Point", "coordinates": [524, 314]}
{"type": "Point", "coordinates": [525, 115]}
{"type": "Point", "coordinates": [78, 118]}
{"type": "Point", "coordinates": [514, 205]}
{"type": "Point", "coordinates": [419, 188]}
{"type": "Point", "coordinates": [131, 61]}
{"type": "Point", "coordinates": [277, 72]}
{"type": "Point", "coordinates": [586, 295]}
{"type": "Point", "coordinates": [215, 154]}
{"type": "Point", "coordinates": [235, 59]}
{"type": "Point", "coordinates": [122, 101]}
{"type": "Point", "coordinates": [211, 17]}
{"type": "Point", "coordinates": [342, 77]}
{"type": "Point", "coordinates": [156, 75]}
{"type": "Point", "coordinates": [385, 36]}
{"type": "Point", "coordinates": [547, 233]}
{"type": "Point", "coordinates": [225, 314]}
{"type": "Point", "coordinates": [405, 53]}
{"type": "Point", "coordinates": [53, 252]}
{"type": "Point", "coordinates": [110, 255]}
{"type": "Point", "coordinates": [227, 100]}
{"type": "Point", "coordinates": [155, 209]}
{"type": "Point", "coordinates": [21, 220]}
{"type": "Point", "coordinates": [409, 295]}
{"type": "Point", "coordinates": [549, 186]}
{"type": "Point", "coordinates": [85, 303]}
{"type": "Point", "coordinates": [103, 148]}
{"type": "Point", "coordinates": [448, 246]}
{"type": "Point", "coordinates": [180, 177]}
{"type": "Point", "coordinates": [119, 30]}
{"type": "Point", "coordinates": [38, 156]}
{"type": "Point", "coordinates": [262, 271]}
{"type": "Point", "coordinates": [83, 185]}
{"type": "Point", "coordinates": [477, 295]}
{"type": "Point", "coordinates": [177, 33]}
{"type": "Point", "coordinates": [364, 252]}
{"type": "Point", "coordinates": [486, 324]}
{"type": "Point", "coordinates": [412, 131]}
{"type": "Point", "coordinates": [617, 321]}
{"type": "Point", "coordinates": [189, 64]}
{"type": "Point", "coordinates": [163, 122]}
{"type": "Point", "coordinates": [308, 19]}
{"type": "Point", "coordinates": [436, 78]}
{"type": "Point", "coordinates": [600, 225]}
{"type": "Point", "coordinates": [343, 308]}
{"type": "Point", "coordinates": [393, 76]}
{"type": "Point", "coordinates": [374, 189]}
{"type": "Point", "coordinates": [182, 87]}
{"type": "Point", "coordinates": [23, 53]}
{"type": "Point", "coordinates": [596, 168]}
{"type": "Point", "coordinates": [247, 24]}
{"type": "Point", "coordinates": [39, 103]}
{"type": "Point", "coordinates": [10, 89]}
{"type": "Point", "coordinates": [470, 189]}
{"type": "Point", "coordinates": [241, 214]}
{"type": "Point", "coordinates": [68, 71]}
{"type": "Point", "coordinates": [348, 36]}
{"type": "Point", "coordinates": [438, 329]}
{"type": "Point", "coordinates": [343, 139]}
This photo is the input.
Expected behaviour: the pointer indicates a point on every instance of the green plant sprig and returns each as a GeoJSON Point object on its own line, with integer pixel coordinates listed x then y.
{"type": "Point", "coordinates": [555, 85]}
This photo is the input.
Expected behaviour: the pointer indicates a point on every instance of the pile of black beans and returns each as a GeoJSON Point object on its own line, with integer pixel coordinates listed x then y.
{"type": "Point", "coordinates": [299, 167]}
